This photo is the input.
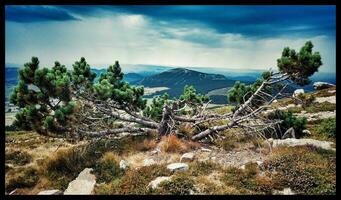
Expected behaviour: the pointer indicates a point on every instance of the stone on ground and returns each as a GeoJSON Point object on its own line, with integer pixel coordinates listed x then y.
{"type": "Point", "coordinates": [124, 164]}
{"type": "Point", "coordinates": [297, 92]}
{"type": "Point", "coordinates": [50, 192]}
{"type": "Point", "coordinates": [148, 162]}
{"type": "Point", "coordinates": [177, 167]}
{"type": "Point", "coordinates": [187, 157]}
{"type": "Point", "coordinates": [301, 142]}
{"type": "Point", "coordinates": [322, 85]}
{"type": "Point", "coordinates": [156, 182]}
{"type": "Point", "coordinates": [285, 191]}
{"type": "Point", "coordinates": [83, 184]}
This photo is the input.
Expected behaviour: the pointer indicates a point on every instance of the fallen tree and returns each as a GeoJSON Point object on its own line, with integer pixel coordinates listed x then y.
{"type": "Point", "coordinates": [67, 103]}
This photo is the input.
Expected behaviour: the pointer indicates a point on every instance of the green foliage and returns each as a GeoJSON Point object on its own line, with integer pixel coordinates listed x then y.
{"type": "Point", "coordinates": [82, 75]}
{"type": "Point", "coordinates": [306, 99]}
{"type": "Point", "coordinates": [300, 66]}
{"type": "Point", "coordinates": [112, 86]}
{"type": "Point", "coordinates": [306, 169]}
{"type": "Point", "coordinates": [107, 168]}
{"type": "Point", "coordinates": [240, 92]}
{"type": "Point", "coordinates": [327, 127]}
{"type": "Point", "coordinates": [289, 120]}
{"type": "Point", "coordinates": [191, 97]}
{"type": "Point", "coordinates": [154, 111]}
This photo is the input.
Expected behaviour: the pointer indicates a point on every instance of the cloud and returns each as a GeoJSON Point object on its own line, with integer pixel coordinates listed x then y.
{"type": "Point", "coordinates": [28, 14]}
{"type": "Point", "coordinates": [138, 38]}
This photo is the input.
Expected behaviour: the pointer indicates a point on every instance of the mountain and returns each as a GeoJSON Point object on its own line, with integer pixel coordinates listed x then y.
{"type": "Point", "coordinates": [11, 80]}
{"type": "Point", "coordinates": [132, 77]}
{"type": "Point", "coordinates": [177, 78]}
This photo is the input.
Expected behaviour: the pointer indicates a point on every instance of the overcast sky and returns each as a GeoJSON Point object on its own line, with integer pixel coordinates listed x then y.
{"type": "Point", "coordinates": [248, 37]}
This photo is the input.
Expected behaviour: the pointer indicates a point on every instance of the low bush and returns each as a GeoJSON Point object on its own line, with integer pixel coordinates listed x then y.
{"type": "Point", "coordinates": [327, 127]}
{"type": "Point", "coordinates": [107, 168]}
{"type": "Point", "coordinates": [180, 184]}
{"type": "Point", "coordinates": [306, 169]}
{"type": "Point", "coordinates": [202, 168]}
{"type": "Point", "coordinates": [172, 144]}
{"type": "Point", "coordinates": [289, 120]}
{"type": "Point", "coordinates": [18, 157]}
{"type": "Point", "coordinates": [23, 177]}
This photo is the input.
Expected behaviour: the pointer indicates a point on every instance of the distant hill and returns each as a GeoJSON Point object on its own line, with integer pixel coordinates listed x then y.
{"type": "Point", "coordinates": [177, 78]}
{"type": "Point", "coordinates": [132, 77]}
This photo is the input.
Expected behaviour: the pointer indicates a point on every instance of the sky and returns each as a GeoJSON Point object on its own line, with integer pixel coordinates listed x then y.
{"type": "Point", "coordinates": [235, 37]}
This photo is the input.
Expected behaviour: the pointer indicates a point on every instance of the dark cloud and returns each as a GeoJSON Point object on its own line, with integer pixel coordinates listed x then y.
{"type": "Point", "coordinates": [28, 14]}
{"type": "Point", "coordinates": [249, 21]}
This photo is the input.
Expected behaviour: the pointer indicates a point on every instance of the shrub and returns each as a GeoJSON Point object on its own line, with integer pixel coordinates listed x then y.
{"type": "Point", "coordinates": [306, 169]}
{"type": "Point", "coordinates": [22, 178]}
{"type": "Point", "coordinates": [108, 169]}
{"type": "Point", "coordinates": [172, 144]}
{"type": "Point", "coordinates": [186, 129]}
{"type": "Point", "coordinates": [180, 184]}
{"type": "Point", "coordinates": [306, 99]}
{"type": "Point", "coordinates": [202, 168]}
{"type": "Point", "coordinates": [18, 157]}
{"type": "Point", "coordinates": [327, 127]}
{"type": "Point", "coordinates": [136, 181]}
{"type": "Point", "coordinates": [289, 120]}
{"type": "Point", "coordinates": [146, 145]}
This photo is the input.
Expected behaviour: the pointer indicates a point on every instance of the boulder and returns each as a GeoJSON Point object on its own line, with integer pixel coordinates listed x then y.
{"type": "Point", "coordinates": [124, 164]}
{"type": "Point", "coordinates": [50, 192]}
{"type": "Point", "coordinates": [285, 191]}
{"type": "Point", "coordinates": [187, 157]}
{"type": "Point", "coordinates": [301, 142]}
{"type": "Point", "coordinates": [322, 85]}
{"type": "Point", "coordinates": [148, 162]}
{"type": "Point", "coordinates": [156, 182]}
{"type": "Point", "coordinates": [297, 92]}
{"type": "Point", "coordinates": [306, 132]}
{"type": "Point", "coordinates": [177, 167]}
{"type": "Point", "coordinates": [205, 150]}
{"type": "Point", "coordinates": [83, 184]}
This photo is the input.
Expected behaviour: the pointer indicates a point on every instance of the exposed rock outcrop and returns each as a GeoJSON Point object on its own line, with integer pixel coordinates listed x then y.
{"type": "Point", "coordinates": [83, 184]}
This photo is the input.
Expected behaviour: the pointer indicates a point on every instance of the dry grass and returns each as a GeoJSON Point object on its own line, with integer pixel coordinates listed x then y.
{"type": "Point", "coordinates": [172, 144]}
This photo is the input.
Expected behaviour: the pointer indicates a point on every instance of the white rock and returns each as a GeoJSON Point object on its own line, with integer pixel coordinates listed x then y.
{"type": "Point", "coordinates": [148, 161]}
{"type": "Point", "coordinates": [301, 142]}
{"type": "Point", "coordinates": [259, 163]}
{"type": "Point", "coordinates": [285, 191]}
{"type": "Point", "coordinates": [332, 91]}
{"type": "Point", "coordinates": [205, 150]}
{"type": "Point", "coordinates": [177, 167]}
{"type": "Point", "coordinates": [156, 182]}
{"type": "Point", "coordinates": [124, 164]}
{"type": "Point", "coordinates": [187, 157]}
{"type": "Point", "coordinates": [322, 85]}
{"type": "Point", "coordinates": [83, 184]}
{"type": "Point", "coordinates": [306, 132]}
{"type": "Point", "coordinates": [242, 167]}
{"type": "Point", "coordinates": [297, 92]}
{"type": "Point", "coordinates": [50, 192]}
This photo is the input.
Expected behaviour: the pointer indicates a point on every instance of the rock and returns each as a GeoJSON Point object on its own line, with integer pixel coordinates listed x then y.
{"type": "Point", "coordinates": [177, 167]}
{"type": "Point", "coordinates": [156, 182]}
{"type": "Point", "coordinates": [322, 85]}
{"type": "Point", "coordinates": [332, 91]}
{"type": "Point", "coordinates": [124, 164]}
{"type": "Point", "coordinates": [50, 192]}
{"type": "Point", "coordinates": [242, 167]}
{"type": "Point", "coordinates": [297, 92]}
{"type": "Point", "coordinates": [83, 184]}
{"type": "Point", "coordinates": [306, 132]}
{"type": "Point", "coordinates": [259, 163]}
{"type": "Point", "coordinates": [285, 191]}
{"type": "Point", "coordinates": [330, 99]}
{"type": "Point", "coordinates": [187, 157]}
{"type": "Point", "coordinates": [205, 150]}
{"type": "Point", "coordinates": [148, 161]}
{"type": "Point", "coordinates": [275, 101]}
{"type": "Point", "coordinates": [301, 142]}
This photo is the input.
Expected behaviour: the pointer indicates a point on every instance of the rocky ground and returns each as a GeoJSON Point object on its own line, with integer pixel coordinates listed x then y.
{"type": "Point", "coordinates": [40, 165]}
